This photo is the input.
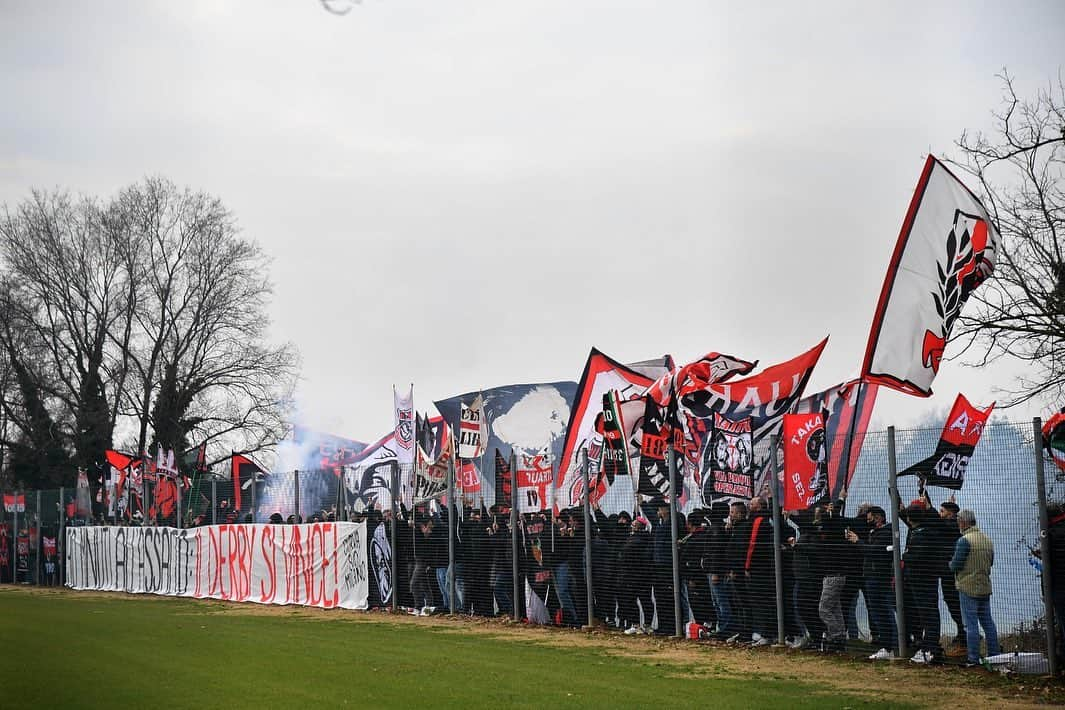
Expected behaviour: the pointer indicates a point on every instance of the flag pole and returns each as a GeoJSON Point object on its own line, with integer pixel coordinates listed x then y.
{"type": "Point", "coordinates": [850, 438]}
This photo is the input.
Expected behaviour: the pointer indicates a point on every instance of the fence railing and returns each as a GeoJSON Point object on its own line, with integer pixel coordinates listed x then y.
{"type": "Point", "coordinates": [879, 571]}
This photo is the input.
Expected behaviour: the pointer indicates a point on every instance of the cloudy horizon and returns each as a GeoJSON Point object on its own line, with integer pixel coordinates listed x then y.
{"type": "Point", "coordinates": [467, 194]}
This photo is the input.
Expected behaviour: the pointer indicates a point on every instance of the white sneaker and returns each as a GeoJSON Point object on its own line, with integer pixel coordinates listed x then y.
{"type": "Point", "coordinates": [756, 637]}
{"type": "Point", "coordinates": [761, 641]}
{"type": "Point", "coordinates": [882, 655]}
{"type": "Point", "coordinates": [921, 657]}
{"type": "Point", "coordinates": [733, 638]}
{"type": "Point", "coordinates": [633, 631]}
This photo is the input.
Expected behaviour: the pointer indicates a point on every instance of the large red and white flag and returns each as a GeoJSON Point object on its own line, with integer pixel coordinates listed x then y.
{"type": "Point", "coordinates": [946, 249]}
{"type": "Point", "coordinates": [601, 375]}
{"type": "Point", "coordinates": [404, 432]}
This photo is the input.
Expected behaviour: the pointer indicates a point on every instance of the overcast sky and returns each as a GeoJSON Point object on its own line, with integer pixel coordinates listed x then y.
{"type": "Point", "coordinates": [470, 194]}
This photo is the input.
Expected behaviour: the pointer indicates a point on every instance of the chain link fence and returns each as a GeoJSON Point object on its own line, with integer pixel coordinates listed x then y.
{"type": "Point", "coordinates": [869, 573]}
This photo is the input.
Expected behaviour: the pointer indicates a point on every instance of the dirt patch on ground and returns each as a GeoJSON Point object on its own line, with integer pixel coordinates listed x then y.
{"type": "Point", "coordinates": [895, 681]}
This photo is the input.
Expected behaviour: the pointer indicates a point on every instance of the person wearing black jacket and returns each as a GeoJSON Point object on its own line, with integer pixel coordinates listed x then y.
{"type": "Point", "coordinates": [569, 569]}
{"type": "Point", "coordinates": [877, 573]}
{"type": "Point", "coordinates": [753, 559]}
{"type": "Point", "coordinates": [949, 534]}
{"type": "Point", "coordinates": [694, 556]}
{"type": "Point", "coordinates": [615, 531]}
{"type": "Point", "coordinates": [807, 565]}
{"type": "Point", "coordinates": [438, 557]}
{"type": "Point", "coordinates": [854, 584]}
{"type": "Point", "coordinates": [837, 559]}
{"type": "Point", "coordinates": [634, 578]}
{"type": "Point", "coordinates": [721, 589]}
{"type": "Point", "coordinates": [1056, 544]}
{"type": "Point", "coordinates": [662, 557]}
{"type": "Point", "coordinates": [422, 567]}
{"type": "Point", "coordinates": [602, 575]}
{"type": "Point", "coordinates": [736, 562]}
{"type": "Point", "coordinates": [502, 556]}
{"type": "Point", "coordinates": [477, 558]}
{"type": "Point", "coordinates": [921, 568]}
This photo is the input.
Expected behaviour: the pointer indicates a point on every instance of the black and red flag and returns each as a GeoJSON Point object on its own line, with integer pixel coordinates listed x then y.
{"type": "Point", "coordinates": [245, 473]}
{"type": "Point", "coordinates": [615, 450]}
{"type": "Point", "coordinates": [847, 409]}
{"type": "Point", "coordinates": [654, 471]}
{"type": "Point", "coordinates": [727, 460]}
{"type": "Point", "coordinates": [946, 467]}
{"type": "Point", "coordinates": [805, 460]}
{"type": "Point", "coordinates": [504, 481]}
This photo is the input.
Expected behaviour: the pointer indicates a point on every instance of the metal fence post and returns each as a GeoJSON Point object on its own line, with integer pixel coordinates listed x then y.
{"type": "Point", "coordinates": [778, 555]}
{"type": "Point", "coordinates": [39, 546]}
{"type": "Point", "coordinates": [674, 512]}
{"type": "Point", "coordinates": [588, 540]}
{"type": "Point", "coordinates": [515, 601]}
{"type": "Point", "coordinates": [254, 502]}
{"type": "Point", "coordinates": [1044, 546]}
{"type": "Point", "coordinates": [177, 514]}
{"type": "Point", "coordinates": [395, 538]}
{"type": "Point", "coordinates": [214, 501]}
{"type": "Point", "coordinates": [342, 514]}
{"type": "Point", "coordinates": [896, 546]}
{"type": "Point", "coordinates": [61, 542]}
{"type": "Point", "coordinates": [450, 576]}
{"type": "Point", "coordinates": [14, 541]}
{"type": "Point", "coordinates": [296, 488]}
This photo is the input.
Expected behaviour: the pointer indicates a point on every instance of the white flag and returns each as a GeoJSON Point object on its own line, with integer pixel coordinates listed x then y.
{"type": "Point", "coordinates": [946, 249]}
{"type": "Point", "coordinates": [404, 427]}
{"type": "Point", "coordinates": [473, 430]}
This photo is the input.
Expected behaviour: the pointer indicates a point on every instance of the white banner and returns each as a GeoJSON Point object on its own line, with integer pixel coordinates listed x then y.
{"type": "Point", "coordinates": [322, 564]}
{"type": "Point", "coordinates": [473, 430]}
{"type": "Point", "coordinates": [404, 431]}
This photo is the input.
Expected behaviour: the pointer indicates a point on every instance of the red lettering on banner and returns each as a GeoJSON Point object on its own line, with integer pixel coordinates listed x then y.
{"type": "Point", "coordinates": [293, 574]}
{"type": "Point", "coordinates": [215, 585]}
{"type": "Point", "coordinates": [240, 587]}
{"type": "Point", "coordinates": [271, 566]}
{"type": "Point", "coordinates": [199, 556]}
{"type": "Point", "coordinates": [336, 567]}
{"type": "Point", "coordinates": [317, 532]}
{"type": "Point", "coordinates": [231, 560]}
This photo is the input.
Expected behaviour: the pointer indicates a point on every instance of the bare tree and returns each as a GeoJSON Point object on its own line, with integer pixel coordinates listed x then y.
{"type": "Point", "coordinates": [144, 314]}
{"type": "Point", "coordinates": [63, 293]}
{"type": "Point", "coordinates": [1020, 312]}
{"type": "Point", "coordinates": [199, 356]}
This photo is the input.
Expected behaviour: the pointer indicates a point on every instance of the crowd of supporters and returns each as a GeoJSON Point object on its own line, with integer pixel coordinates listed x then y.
{"type": "Point", "coordinates": [831, 560]}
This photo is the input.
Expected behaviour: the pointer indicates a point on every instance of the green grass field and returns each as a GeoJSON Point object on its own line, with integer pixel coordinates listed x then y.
{"type": "Point", "coordinates": [65, 649]}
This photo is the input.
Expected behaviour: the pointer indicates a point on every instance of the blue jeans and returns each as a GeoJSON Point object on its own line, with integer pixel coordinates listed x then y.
{"type": "Point", "coordinates": [973, 610]}
{"type": "Point", "coordinates": [460, 588]}
{"type": "Point", "coordinates": [721, 593]}
{"type": "Point", "coordinates": [880, 601]}
{"type": "Point", "coordinates": [441, 582]}
{"type": "Point", "coordinates": [562, 590]}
